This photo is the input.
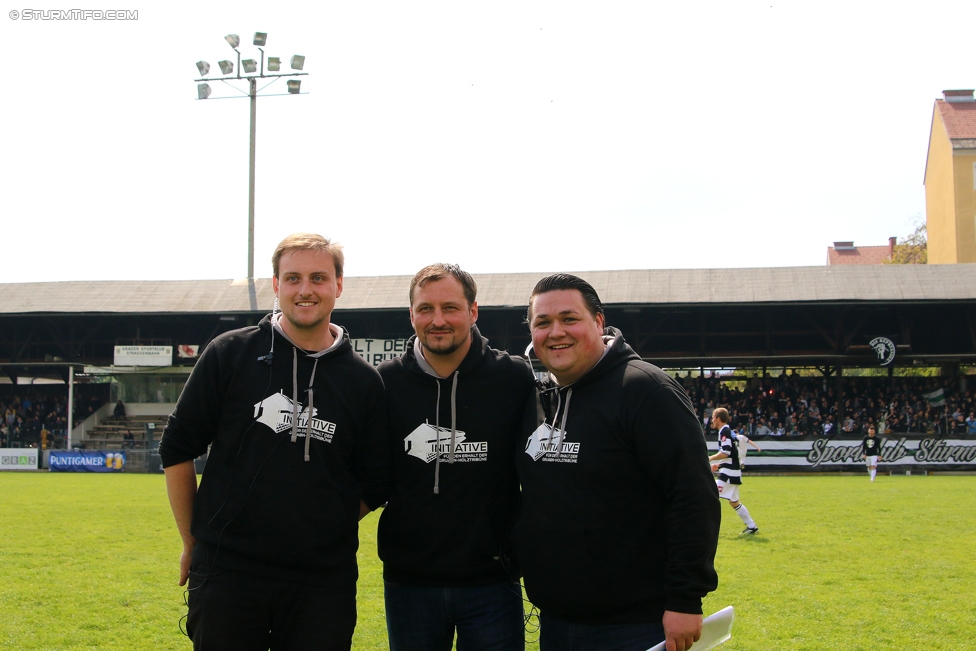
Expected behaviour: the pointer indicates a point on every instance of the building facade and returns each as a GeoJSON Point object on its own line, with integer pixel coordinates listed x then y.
{"type": "Point", "coordinates": [950, 179]}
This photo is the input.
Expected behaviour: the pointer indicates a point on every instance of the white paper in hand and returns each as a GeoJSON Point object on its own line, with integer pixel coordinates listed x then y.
{"type": "Point", "coordinates": [716, 629]}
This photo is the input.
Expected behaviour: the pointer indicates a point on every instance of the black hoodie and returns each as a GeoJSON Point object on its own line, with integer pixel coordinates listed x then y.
{"type": "Point", "coordinates": [262, 507]}
{"type": "Point", "coordinates": [620, 518]}
{"type": "Point", "coordinates": [458, 535]}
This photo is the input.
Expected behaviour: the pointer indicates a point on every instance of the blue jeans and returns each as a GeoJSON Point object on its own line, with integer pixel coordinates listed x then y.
{"type": "Point", "coordinates": [487, 618]}
{"type": "Point", "coordinates": [561, 635]}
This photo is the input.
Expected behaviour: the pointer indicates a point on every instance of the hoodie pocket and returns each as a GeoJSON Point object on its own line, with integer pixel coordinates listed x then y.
{"type": "Point", "coordinates": [437, 542]}
{"type": "Point", "coordinates": [558, 566]}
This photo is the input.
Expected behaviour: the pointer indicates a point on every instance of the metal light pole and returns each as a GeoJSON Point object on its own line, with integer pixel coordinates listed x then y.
{"type": "Point", "coordinates": [252, 83]}
{"type": "Point", "coordinates": [252, 76]}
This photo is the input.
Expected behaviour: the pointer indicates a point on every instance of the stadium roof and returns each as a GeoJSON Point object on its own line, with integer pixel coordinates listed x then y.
{"type": "Point", "coordinates": [827, 284]}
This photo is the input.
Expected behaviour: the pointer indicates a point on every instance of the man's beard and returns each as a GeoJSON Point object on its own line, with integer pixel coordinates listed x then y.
{"type": "Point", "coordinates": [443, 351]}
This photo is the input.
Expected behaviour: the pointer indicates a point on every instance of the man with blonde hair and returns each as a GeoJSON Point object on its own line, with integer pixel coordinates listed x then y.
{"type": "Point", "coordinates": [295, 425]}
{"type": "Point", "coordinates": [309, 242]}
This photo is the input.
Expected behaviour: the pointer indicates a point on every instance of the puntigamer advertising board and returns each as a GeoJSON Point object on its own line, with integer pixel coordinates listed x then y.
{"type": "Point", "coordinates": [86, 461]}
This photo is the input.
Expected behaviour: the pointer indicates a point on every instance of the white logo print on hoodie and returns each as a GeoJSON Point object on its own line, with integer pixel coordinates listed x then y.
{"type": "Point", "coordinates": [428, 441]}
{"type": "Point", "coordinates": [276, 412]}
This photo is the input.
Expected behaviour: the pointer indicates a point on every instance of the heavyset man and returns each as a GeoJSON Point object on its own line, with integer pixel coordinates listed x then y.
{"type": "Point", "coordinates": [620, 515]}
{"type": "Point", "coordinates": [457, 409]}
{"type": "Point", "coordinates": [298, 453]}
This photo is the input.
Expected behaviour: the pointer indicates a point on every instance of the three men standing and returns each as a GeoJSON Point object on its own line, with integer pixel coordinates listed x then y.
{"type": "Point", "coordinates": [457, 411]}
{"type": "Point", "coordinates": [619, 514]}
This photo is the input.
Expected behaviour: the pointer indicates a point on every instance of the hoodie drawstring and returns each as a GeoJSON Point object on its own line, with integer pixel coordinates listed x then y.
{"type": "Point", "coordinates": [450, 457]}
{"type": "Point", "coordinates": [562, 424]}
{"type": "Point", "coordinates": [294, 401]}
{"type": "Point", "coordinates": [437, 431]}
{"type": "Point", "coordinates": [437, 440]}
{"type": "Point", "coordinates": [561, 430]}
{"type": "Point", "coordinates": [294, 394]}
{"type": "Point", "coordinates": [311, 408]}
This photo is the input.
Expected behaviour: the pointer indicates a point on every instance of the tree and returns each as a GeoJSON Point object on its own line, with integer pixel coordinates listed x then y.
{"type": "Point", "coordinates": [912, 249]}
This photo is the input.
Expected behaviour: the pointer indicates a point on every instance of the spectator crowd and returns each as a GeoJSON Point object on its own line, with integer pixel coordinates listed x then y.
{"type": "Point", "coordinates": [35, 417]}
{"type": "Point", "coordinates": [795, 405]}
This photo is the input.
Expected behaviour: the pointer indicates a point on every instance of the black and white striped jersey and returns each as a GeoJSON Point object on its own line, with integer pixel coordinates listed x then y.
{"type": "Point", "coordinates": [729, 469]}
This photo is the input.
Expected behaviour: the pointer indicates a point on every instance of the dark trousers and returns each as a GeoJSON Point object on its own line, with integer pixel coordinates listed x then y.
{"type": "Point", "coordinates": [233, 611]}
{"type": "Point", "coordinates": [561, 635]}
{"type": "Point", "coordinates": [486, 618]}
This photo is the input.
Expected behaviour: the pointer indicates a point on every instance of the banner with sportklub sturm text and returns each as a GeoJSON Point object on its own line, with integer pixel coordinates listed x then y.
{"type": "Point", "coordinates": [897, 453]}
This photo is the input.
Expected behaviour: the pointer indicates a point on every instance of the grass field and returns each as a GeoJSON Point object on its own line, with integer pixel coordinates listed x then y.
{"type": "Point", "coordinates": [90, 562]}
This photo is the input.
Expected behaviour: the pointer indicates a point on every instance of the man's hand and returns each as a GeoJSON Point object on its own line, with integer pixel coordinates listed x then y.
{"type": "Point", "coordinates": [185, 559]}
{"type": "Point", "coordinates": [181, 486]}
{"type": "Point", "coordinates": [681, 630]}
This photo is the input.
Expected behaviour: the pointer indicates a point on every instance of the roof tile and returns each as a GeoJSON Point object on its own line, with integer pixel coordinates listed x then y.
{"type": "Point", "coordinates": [858, 255]}
{"type": "Point", "coordinates": [959, 118]}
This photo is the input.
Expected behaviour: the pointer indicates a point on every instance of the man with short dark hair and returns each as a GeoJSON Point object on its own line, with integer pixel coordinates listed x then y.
{"type": "Point", "coordinates": [457, 410]}
{"type": "Point", "coordinates": [620, 515]}
{"type": "Point", "coordinates": [762, 429]}
{"type": "Point", "coordinates": [871, 450]}
{"type": "Point", "coordinates": [295, 424]}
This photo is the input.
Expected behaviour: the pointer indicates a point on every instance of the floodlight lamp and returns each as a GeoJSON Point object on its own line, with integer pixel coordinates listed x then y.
{"type": "Point", "coordinates": [274, 64]}
{"type": "Point", "coordinates": [233, 39]}
{"type": "Point", "coordinates": [297, 62]}
{"type": "Point", "coordinates": [249, 65]}
{"type": "Point", "coordinates": [260, 38]}
{"type": "Point", "coordinates": [203, 67]}
{"type": "Point", "coordinates": [294, 86]}
{"type": "Point", "coordinates": [203, 91]}
{"type": "Point", "coordinates": [226, 67]}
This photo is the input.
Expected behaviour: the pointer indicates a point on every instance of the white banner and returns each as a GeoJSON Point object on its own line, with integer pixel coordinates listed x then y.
{"type": "Point", "coordinates": [18, 458]}
{"type": "Point", "coordinates": [779, 454]}
{"type": "Point", "coordinates": [376, 351]}
{"type": "Point", "coordinates": [143, 356]}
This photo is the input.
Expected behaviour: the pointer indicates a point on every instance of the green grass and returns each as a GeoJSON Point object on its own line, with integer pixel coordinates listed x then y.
{"type": "Point", "coordinates": [90, 562]}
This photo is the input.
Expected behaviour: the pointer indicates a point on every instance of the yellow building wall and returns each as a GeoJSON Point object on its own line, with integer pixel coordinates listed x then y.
{"type": "Point", "coordinates": [965, 207]}
{"type": "Point", "coordinates": [940, 218]}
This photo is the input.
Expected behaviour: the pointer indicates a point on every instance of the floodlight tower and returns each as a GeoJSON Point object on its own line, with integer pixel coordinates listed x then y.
{"type": "Point", "coordinates": [250, 67]}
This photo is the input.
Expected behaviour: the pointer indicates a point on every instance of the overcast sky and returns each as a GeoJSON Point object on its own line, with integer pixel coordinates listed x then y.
{"type": "Point", "coordinates": [503, 136]}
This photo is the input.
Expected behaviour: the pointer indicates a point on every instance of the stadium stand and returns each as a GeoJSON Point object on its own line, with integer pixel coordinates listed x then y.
{"type": "Point", "coordinates": [795, 405]}
{"type": "Point", "coordinates": [35, 417]}
{"type": "Point", "coordinates": [821, 320]}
